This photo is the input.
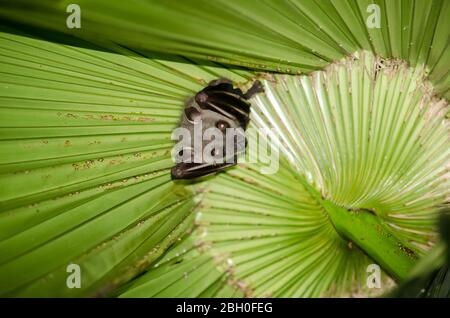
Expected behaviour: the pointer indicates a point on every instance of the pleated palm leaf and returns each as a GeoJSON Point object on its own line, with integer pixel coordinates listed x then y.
{"type": "Point", "coordinates": [86, 120]}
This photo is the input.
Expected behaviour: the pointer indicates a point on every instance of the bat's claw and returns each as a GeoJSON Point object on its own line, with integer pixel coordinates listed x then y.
{"type": "Point", "coordinates": [257, 87]}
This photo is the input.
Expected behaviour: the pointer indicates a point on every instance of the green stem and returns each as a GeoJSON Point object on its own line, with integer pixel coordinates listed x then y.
{"type": "Point", "coordinates": [372, 236]}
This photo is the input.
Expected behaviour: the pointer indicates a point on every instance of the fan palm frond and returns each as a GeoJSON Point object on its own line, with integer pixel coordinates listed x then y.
{"type": "Point", "coordinates": [85, 155]}
{"type": "Point", "coordinates": [274, 236]}
{"type": "Point", "coordinates": [282, 36]}
{"type": "Point", "coordinates": [85, 127]}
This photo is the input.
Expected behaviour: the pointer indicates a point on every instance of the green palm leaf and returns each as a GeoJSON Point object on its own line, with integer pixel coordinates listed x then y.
{"type": "Point", "coordinates": [294, 250]}
{"type": "Point", "coordinates": [85, 153]}
{"type": "Point", "coordinates": [283, 36]}
{"type": "Point", "coordinates": [85, 147]}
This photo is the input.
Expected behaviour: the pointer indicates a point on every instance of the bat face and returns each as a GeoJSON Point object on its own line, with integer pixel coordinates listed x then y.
{"type": "Point", "coordinates": [215, 119]}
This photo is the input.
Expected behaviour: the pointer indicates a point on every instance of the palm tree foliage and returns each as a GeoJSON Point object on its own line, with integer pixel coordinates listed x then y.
{"type": "Point", "coordinates": [285, 36]}
{"type": "Point", "coordinates": [430, 278]}
{"type": "Point", "coordinates": [86, 119]}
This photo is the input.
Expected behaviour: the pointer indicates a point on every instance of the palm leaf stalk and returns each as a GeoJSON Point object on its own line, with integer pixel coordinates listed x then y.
{"type": "Point", "coordinates": [85, 147]}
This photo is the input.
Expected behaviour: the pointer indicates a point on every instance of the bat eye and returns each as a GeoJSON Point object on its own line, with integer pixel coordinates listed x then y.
{"type": "Point", "coordinates": [222, 125]}
{"type": "Point", "coordinates": [192, 114]}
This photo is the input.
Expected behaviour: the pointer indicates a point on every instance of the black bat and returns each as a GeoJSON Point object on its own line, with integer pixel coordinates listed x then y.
{"type": "Point", "coordinates": [218, 105]}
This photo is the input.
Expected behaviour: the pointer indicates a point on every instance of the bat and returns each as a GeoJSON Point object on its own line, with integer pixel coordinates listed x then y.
{"type": "Point", "coordinates": [218, 105]}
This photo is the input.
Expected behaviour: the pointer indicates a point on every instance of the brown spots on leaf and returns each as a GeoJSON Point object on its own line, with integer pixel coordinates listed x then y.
{"type": "Point", "coordinates": [111, 117]}
{"type": "Point", "coordinates": [114, 162]}
{"type": "Point", "coordinates": [407, 251]}
{"type": "Point", "coordinates": [145, 119]}
{"type": "Point", "coordinates": [378, 228]}
{"type": "Point", "coordinates": [107, 117]}
{"type": "Point", "coordinates": [85, 165]}
{"type": "Point", "coordinates": [243, 287]}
